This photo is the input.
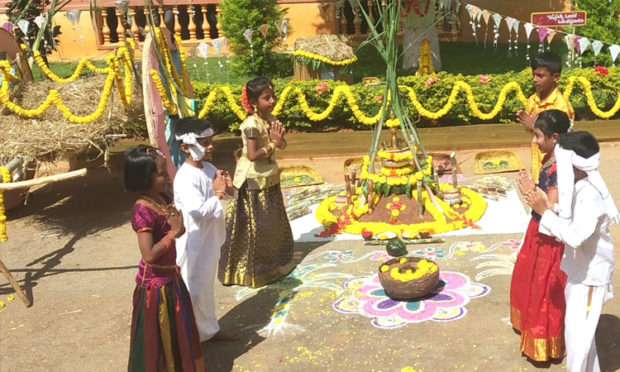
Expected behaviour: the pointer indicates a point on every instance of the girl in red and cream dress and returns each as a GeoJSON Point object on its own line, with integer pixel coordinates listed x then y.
{"type": "Point", "coordinates": [537, 303]}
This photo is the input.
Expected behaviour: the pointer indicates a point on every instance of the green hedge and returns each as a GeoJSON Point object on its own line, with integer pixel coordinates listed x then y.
{"type": "Point", "coordinates": [605, 91]}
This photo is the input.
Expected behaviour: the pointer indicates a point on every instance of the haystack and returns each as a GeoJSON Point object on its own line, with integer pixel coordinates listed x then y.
{"type": "Point", "coordinates": [51, 136]}
{"type": "Point", "coordinates": [323, 57]}
{"type": "Point", "coordinates": [334, 47]}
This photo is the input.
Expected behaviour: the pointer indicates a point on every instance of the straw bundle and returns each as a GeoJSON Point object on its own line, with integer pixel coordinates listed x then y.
{"type": "Point", "coordinates": [50, 136]}
{"type": "Point", "coordinates": [334, 47]}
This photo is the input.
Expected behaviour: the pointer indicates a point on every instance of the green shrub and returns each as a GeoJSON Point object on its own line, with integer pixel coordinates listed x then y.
{"type": "Point", "coordinates": [433, 98]}
{"type": "Point", "coordinates": [602, 24]}
{"type": "Point", "coordinates": [240, 15]}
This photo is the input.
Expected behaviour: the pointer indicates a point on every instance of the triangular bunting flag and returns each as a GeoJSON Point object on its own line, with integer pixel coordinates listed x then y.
{"type": "Point", "coordinates": [584, 42]}
{"type": "Point", "coordinates": [597, 45]}
{"type": "Point", "coordinates": [614, 50]}
{"type": "Point", "coordinates": [550, 36]}
{"type": "Point", "coordinates": [542, 33]}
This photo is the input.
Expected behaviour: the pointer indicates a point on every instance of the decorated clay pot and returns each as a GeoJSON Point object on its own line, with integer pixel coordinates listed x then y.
{"type": "Point", "coordinates": [407, 290]}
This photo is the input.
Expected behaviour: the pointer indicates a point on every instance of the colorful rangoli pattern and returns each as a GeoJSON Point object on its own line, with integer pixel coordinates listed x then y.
{"type": "Point", "coordinates": [366, 296]}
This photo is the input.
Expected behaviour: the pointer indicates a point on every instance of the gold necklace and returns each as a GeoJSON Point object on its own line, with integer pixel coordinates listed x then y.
{"type": "Point", "coordinates": [549, 161]}
{"type": "Point", "coordinates": [158, 205]}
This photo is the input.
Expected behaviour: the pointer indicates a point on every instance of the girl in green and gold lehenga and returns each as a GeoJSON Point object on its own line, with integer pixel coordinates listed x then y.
{"type": "Point", "coordinates": [259, 242]}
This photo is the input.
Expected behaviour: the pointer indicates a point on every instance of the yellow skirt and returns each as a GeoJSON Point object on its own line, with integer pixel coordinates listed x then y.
{"type": "Point", "coordinates": [259, 242]}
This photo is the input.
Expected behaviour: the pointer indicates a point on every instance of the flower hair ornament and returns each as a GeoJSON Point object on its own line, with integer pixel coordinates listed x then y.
{"type": "Point", "coordinates": [244, 100]}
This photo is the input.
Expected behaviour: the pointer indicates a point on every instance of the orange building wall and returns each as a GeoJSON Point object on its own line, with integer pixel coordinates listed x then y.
{"type": "Point", "coordinates": [307, 18]}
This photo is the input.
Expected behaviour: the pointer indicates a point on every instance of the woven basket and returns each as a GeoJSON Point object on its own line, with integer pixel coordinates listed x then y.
{"type": "Point", "coordinates": [405, 291]}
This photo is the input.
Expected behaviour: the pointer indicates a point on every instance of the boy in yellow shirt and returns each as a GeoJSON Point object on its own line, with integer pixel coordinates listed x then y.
{"type": "Point", "coordinates": [546, 70]}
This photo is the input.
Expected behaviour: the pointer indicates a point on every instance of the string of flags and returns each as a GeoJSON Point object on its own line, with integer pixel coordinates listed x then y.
{"type": "Point", "coordinates": [545, 34]}
{"type": "Point", "coordinates": [281, 26]}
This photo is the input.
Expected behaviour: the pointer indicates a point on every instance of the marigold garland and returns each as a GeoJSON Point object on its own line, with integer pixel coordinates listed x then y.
{"type": "Point", "coordinates": [402, 171]}
{"type": "Point", "coordinates": [476, 210]}
{"type": "Point", "coordinates": [6, 72]}
{"type": "Point", "coordinates": [395, 156]}
{"type": "Point", "coordinates": [371, 120]}
{"type": "Point", "coordinates": [163, 47]}
{"type": "Point", "coordinates": [114, 74]}
{"type": "Point", "coordinates": [184, 74]}
{"type": "Point", "coordinates": [169, 106]}
{"type": "Point", "coordinates": [76, 73]}
{"type": "Point", "coordinates": [53, 97]}
{"type": "Point", "coordinates": [590, 97]}
{"type": "Point", "coordinates": [318, 57]}
{"type": "Point", "coordinates": [6, 178]}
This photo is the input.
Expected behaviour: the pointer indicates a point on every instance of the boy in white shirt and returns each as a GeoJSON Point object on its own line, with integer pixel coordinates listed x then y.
{"type": "Point", "coordinates": [586, 209]}
{"type": "Point", "coordinates": [198, 188]}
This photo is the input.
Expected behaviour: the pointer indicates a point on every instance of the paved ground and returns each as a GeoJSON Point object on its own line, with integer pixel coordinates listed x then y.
{"type": "Point", "coordinates": [73, 250]}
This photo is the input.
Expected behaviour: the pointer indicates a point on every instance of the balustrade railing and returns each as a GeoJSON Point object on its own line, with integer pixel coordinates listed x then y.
{"type": "Point", "coordinates": [195, 21]}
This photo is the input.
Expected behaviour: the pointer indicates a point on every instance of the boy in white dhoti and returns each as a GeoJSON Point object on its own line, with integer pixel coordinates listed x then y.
{"type": "Point", "coordinates": [586, 209]}
{"type": "Point", "coordinates": [198, 188]}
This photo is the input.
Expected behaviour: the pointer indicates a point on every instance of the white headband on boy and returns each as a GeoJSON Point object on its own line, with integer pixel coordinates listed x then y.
{"type": "Point", "coordinates": [565, 160]}
{"type": "Point", "coordinates": [190, 139]}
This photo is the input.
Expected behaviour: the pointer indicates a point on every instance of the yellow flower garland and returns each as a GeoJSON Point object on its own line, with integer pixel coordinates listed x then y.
{"type": "Point", "coordinates": [402, 171]}
{"type": "Point", "coordinates": [371, 120]}
{"type": "Point", "coordinates": [6, 178]}
{"type": "Point", "coordinates": [318, 57]}
{"type": "Point", "coordinates": [76, 73]}
{"type": "Point", "coordinates": [395, 156]}
{"type": "Point", "coordinates": [392, 123]}
{"type": "Point", "coordinates": [172, 109]}
{"type": "Point", "coordinates": [476, 210]}
{"type": "Point", "coordinates": [163, 47]}
{"type": "Point", "coordinates": [6, 72]}
{"type": "Point", "coordinates": [237, 109]}
{"type": "Point", "coordinates": [590, 97]}
{"type": "Point", "coordinates": [53, 97]}
{"type": "Point", "coordinates": [184, 74]}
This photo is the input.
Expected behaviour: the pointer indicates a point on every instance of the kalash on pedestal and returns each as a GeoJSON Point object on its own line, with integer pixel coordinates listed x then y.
{"type": "Point", "coordinates": [399, 197]}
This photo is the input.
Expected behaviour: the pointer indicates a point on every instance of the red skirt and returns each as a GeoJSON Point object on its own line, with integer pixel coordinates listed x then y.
{"type": "Point", "coordinates": [537, 303]}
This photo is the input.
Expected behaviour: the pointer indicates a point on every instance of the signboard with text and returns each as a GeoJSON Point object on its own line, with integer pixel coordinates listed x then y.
{"type": "Point", "coordinates": [556, 19]}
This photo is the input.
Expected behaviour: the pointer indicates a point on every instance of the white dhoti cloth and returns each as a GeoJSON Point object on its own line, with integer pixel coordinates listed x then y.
{"type": "Point", "coordinates": [580, 324]}
{"type": "Point", "coordinates": [198, 250]}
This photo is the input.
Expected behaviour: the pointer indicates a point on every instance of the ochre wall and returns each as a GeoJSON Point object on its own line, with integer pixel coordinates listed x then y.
{"type": "Point", "coordinates": [307, 18]}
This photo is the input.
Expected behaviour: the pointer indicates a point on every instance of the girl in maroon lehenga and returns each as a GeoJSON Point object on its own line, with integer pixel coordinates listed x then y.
{"type": "Point", "coordinates": [164, 336]}
{"type": "Point", "coordinates": [537, 302]}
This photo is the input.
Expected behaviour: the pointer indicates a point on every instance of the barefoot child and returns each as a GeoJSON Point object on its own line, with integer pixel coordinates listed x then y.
{"type": "Point", "coordinates": [546, 70]}
{"type": "Point", "coordinates": [163, 330]}
{"type": "Point", "coordinates": [198, 188]}
{"type": "Point", "coordinates": [537, 286]}
{"type": "Point", "coordinates": [259, 241]}
{"type": "Point", "coordinates": [586, 209]}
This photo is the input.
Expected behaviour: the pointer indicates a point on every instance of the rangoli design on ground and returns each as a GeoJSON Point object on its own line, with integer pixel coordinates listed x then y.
{"type": "Point", "coordinates": [496, 263]}
{"type": "Point", "coordinates": [365, 296]}
{"type": "Point", "coordinates": [447, 302]}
